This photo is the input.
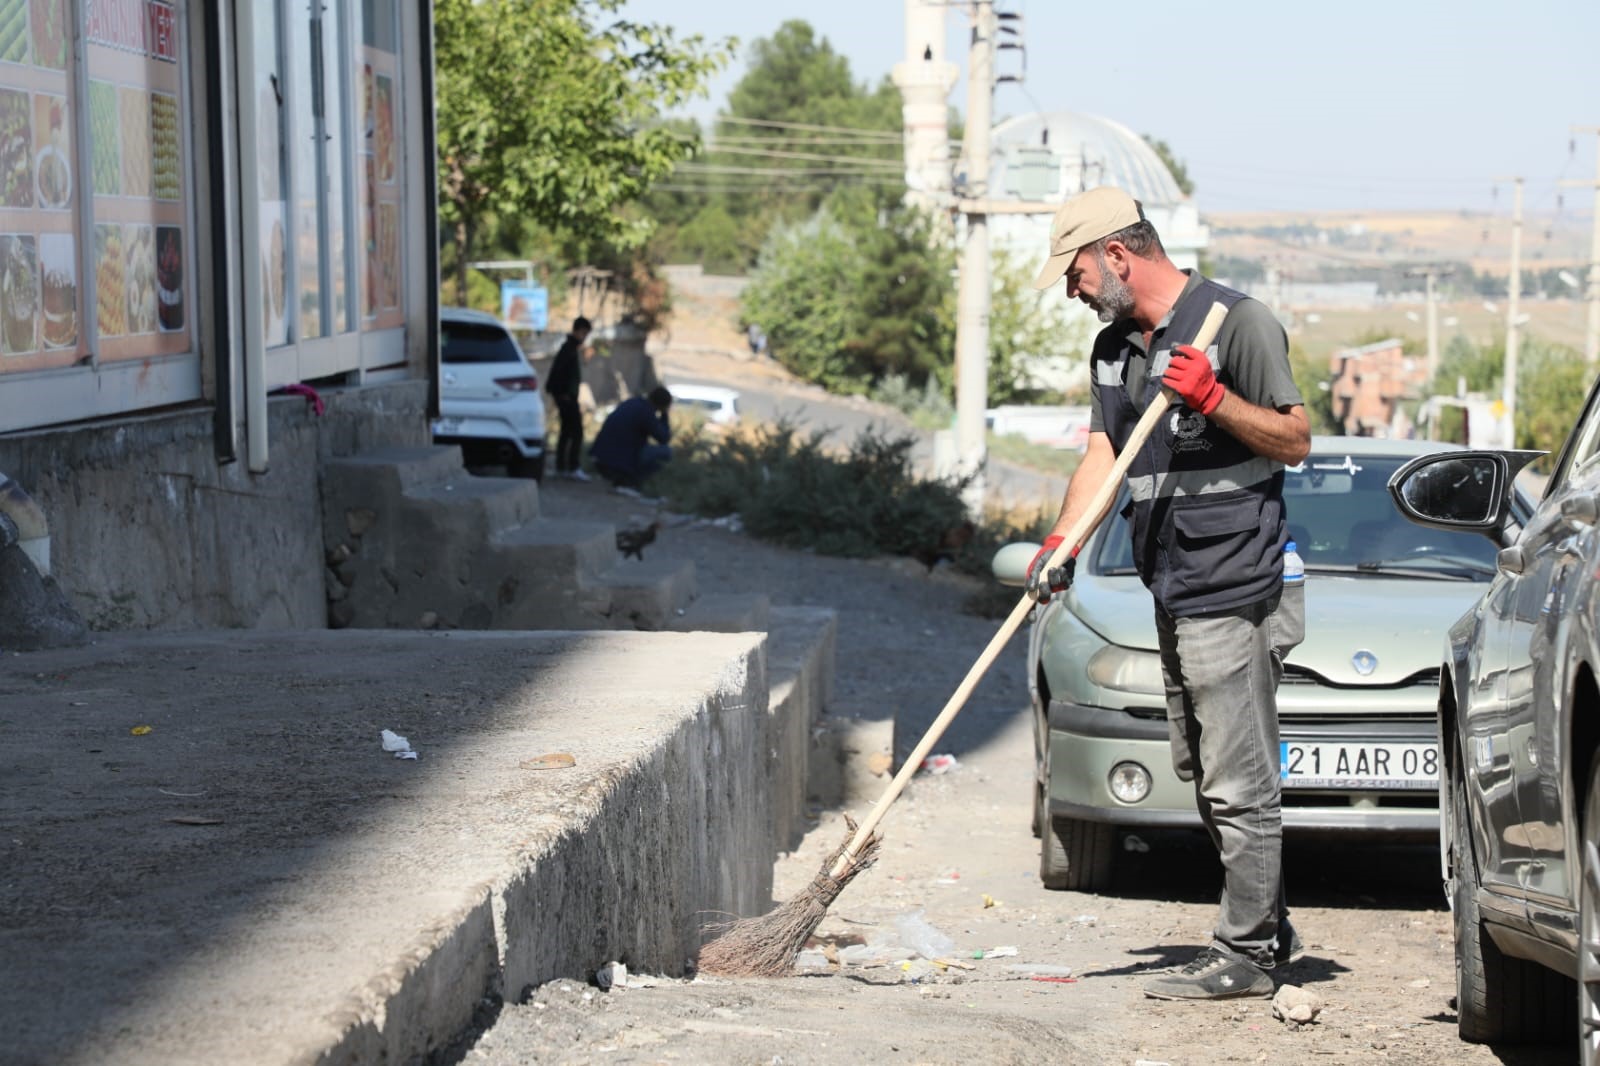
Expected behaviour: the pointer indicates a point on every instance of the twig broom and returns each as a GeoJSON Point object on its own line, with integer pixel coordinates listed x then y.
{"type": "Point", "coordinates": [767, 946]}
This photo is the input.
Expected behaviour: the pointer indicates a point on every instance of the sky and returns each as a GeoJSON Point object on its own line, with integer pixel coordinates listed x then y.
{"type": "Point", "coordinates": [1274, 104]}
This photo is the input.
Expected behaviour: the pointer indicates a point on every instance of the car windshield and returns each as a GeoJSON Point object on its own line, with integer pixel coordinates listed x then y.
{"type": "Point", "coordinates": [468, 342]}
{"type": "Point", "coordinates": [1343, 520]}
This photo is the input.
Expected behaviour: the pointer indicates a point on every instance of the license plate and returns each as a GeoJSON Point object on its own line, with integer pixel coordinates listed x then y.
{"type": "Point", "coordinates": [1334, 764]}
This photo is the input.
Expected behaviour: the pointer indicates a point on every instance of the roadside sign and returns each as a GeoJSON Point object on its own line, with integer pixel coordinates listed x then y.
{"type": "Point", "coordinates": [524, 306]}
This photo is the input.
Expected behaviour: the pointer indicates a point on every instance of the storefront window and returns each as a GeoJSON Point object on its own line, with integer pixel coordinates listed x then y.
{"type": "Point", "coordinates": [40, 215]}
{"type": "Point", "coordinates": [139, 175]}
{"type": "Point", "coordinates": [380, 188]}
{"type": "Point", "coordinates": [271, 166]}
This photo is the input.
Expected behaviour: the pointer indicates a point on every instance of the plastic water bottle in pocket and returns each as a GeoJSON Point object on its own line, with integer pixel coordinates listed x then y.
{"type": "Point", "coordinates": [1294, 568]}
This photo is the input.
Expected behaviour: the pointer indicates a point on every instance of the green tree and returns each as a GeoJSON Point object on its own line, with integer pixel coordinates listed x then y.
{"type": "Point", "coordinates": [765, 166]}
{"type": "Point", "coordinates": [548, 110]}
{"type": "Point", "coordinates": [1180, 172]}
{"type": "Point", "coordinates": [845, 300]}
{"type": "Point", "coordinates": [1027, 328]}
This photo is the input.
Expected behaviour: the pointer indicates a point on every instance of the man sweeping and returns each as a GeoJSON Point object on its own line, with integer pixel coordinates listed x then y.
{"type": "Point", "coordinates": [1208, 528]}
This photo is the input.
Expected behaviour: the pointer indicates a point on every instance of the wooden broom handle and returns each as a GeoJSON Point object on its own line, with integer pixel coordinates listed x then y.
{"type": "Point", "coordinates": [1075, 536]}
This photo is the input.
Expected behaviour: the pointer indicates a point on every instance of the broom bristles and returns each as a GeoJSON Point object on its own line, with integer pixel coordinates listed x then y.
{"type": "Point", "coordinates": [767, 946]}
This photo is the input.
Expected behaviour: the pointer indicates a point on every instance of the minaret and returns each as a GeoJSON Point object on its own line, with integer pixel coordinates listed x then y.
{"type": "Point", "coordinates": [925, 80]}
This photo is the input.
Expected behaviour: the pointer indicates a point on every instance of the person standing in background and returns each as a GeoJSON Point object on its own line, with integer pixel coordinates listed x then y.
{"type": "Point", "coordinates": [566, 376]}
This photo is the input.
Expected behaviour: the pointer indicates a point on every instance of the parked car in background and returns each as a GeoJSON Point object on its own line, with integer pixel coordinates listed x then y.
{"type": "Point", "coordinates": [1519, 723]}
{"type": "Point", "coordinates": [1356, 704]}
{"type": "Point", "coordinates": [714, 403]}
{"type": "Point", "coordinates": [490, 402]}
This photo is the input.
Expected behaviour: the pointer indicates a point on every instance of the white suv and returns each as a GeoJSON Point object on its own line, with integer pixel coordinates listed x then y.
{"type": "Point", "coordinates": [489, 397]}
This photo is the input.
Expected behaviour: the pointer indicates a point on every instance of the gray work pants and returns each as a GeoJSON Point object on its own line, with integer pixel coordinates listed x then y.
{"type": "Point", "coordinates": [1221, 673]}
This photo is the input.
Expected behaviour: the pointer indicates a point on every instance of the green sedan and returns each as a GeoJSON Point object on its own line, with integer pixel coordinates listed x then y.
{"type": "Point", "coordinates": [1358, 701]}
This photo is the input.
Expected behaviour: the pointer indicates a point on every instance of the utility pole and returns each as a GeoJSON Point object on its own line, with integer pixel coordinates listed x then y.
{"type": "Point", "coordinates": [1591, 339]}
{"type": "Point", "coordinates": [1431, 274]}
{"type": "Point", "coordinates": [1508, 395]}
{"type": "Point", "coordinates": [972, 321]}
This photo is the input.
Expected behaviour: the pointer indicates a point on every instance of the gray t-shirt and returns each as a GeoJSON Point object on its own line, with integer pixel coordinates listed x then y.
{"type": "Point", "coordinates": [1251, 346]}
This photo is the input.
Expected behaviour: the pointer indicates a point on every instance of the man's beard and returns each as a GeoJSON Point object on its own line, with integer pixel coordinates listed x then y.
{"type": "Point", "coordinates": [1116, 299]}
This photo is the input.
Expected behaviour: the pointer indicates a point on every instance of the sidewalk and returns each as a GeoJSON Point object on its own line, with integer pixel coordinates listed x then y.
{"type": "Point", "coordinates": [254, 879]}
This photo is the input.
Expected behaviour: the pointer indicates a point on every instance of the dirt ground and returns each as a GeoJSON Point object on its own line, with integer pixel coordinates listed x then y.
{"type": "Point", "coordinates": [959, 853]}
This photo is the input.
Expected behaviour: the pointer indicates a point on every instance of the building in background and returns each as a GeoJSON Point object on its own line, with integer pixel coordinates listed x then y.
{"type": "Point", "coordinates": [1369, 385]}
{"type": "Point", "coordinates": [200, 204]}
{"type": "Point", "coordinates": [1052, 157]}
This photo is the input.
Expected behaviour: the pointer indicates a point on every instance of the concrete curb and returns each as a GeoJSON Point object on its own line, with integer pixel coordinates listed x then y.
{"type": "Point", "coordinates": [348, 907]}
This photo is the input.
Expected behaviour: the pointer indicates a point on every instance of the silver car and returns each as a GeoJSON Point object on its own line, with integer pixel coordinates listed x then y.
{"type": "Point", "coordinates": [1359, 746]}
{"type": "Point", "coordinates": [1519, 720]}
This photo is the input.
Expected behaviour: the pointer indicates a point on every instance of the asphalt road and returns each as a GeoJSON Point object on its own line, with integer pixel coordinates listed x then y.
{"type": "Point", "coordinates": [846, 418]}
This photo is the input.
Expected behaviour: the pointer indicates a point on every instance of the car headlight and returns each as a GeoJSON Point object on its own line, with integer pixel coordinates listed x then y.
{"type": "Point", "coordinates": [1129, 782]}
{"type": "Point", "coordinates": [1127, 670]}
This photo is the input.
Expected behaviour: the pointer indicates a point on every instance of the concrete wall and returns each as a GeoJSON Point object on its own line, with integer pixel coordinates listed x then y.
{"type": "Point", "coordinates": [148, 531]}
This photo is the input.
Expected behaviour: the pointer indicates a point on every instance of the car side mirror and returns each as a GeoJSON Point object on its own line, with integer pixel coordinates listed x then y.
{"type": "Point", "coordinates": [1010, 563]}
{"type": "Point", "coordinates": [1464, 492]}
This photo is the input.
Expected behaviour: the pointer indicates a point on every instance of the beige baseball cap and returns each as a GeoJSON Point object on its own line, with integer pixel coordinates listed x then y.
{"type": "Point", "coordinates": [1082, 220]}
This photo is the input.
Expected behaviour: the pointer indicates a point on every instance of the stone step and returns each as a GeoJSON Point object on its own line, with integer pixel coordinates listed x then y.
{"type": "Point", "coordinates": [397, 470]}
{"type": "Point", "coordinates": [646, 593]}
{"type": "Point", "coordinates": [506, 503]}
{"type": "Point", "coordinates": [558, 547]}
{"type": "Point", "coordinates": [724, 613]}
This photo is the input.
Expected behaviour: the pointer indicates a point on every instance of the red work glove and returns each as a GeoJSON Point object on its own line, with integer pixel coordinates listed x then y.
{"type": "Point", "coordinates": [1189, 374]}
{"type": "Point", "coordinates": [1041, 585]}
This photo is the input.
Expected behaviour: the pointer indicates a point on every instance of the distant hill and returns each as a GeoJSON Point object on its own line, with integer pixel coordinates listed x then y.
{"type": "Point", "coordinates": [1311, 242]}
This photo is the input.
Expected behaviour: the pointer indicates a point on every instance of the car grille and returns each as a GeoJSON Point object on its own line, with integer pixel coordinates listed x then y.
{"type": "Point", "coordinates": [1416, 799]}
{"type": "Point", "coordinates": [1299, 675]}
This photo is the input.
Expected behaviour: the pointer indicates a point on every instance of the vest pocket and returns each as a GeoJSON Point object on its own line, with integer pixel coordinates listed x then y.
{"type": "Point", "coordinates": [1199, 522]}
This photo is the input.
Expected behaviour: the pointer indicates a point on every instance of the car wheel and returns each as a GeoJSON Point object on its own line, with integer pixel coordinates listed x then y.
{"type": "Point", "coordinates": [1499, 998]}
{"type": "Point", "coordinates": [1589, 928]}
{"type": "Point", "coordinates": [1077, 855]}
{"type": "Point", "coordinates": [525, 467]}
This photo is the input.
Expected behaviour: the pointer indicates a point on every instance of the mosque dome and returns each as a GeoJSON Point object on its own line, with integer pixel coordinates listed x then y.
{"type": "Point", "coordinates": [1093, 151]}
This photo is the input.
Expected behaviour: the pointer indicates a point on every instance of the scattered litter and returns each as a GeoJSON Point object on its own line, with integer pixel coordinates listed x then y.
{"type": "Point", "coordinates": [194, 819]}
{"type": "Point", "coordinates": [1038, 969]}
{"type": "Point", "coordinates": [142, 730]}
{"type": "Point", "coordinates": [811, 959]}
{"type": "Point", "coordinates": [989, 901]}
{"type": "Point", "coordinates": [878, 763]}
{"type": "Point", "coordinates": [1054, 980]}
{"type": "Point", "coordinates": [939, 764]}
{"type": "Point", "coordinates": [1086, 919]}
{"type": "Point", "coordinates": [180, 795]}
{"type": "Point", "coordinates": [873, 954]}
{"type": "Point", "coordinates": [1134, 844]}
{"type": "Point", "coordinates": [554, 761]}
{"type": "Point", "coordinates": [1295, 1004]}
{"type": "Point", "coordinates": [1421, 982]}
{"type": "Point", "coordinates": [1150, 1062]}
{"type": "Point", "coordinates": [398, 744]}
{"type": "Point", "coordinates": [996, 953]}
{"type": "Point", "coordinates": [917, 934]}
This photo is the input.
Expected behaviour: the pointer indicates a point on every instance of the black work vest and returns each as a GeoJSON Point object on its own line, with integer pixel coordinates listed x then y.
{"type": "Point", "coordinates": [1206, 515]}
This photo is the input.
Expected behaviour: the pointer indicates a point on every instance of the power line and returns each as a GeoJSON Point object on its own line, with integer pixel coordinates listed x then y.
{"type": "Point", "coordinates": [804, 142]}
{"type": "Point", "coordinates": [852, 160]}
{"type": "Point", "coordinates": [717, 168]}
{"type": "Point", "coordinates": [858, 131]}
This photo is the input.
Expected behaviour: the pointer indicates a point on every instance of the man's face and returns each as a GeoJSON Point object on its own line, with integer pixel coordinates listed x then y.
{"type": "Point", "coordinates": [580, 335]}
{"type": "Point", "coordinates": [1092, 280]}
